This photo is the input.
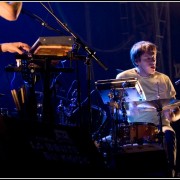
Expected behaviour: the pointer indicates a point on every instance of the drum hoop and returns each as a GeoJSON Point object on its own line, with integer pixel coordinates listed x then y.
{"type": "Point", "coordinates": [142, 123]}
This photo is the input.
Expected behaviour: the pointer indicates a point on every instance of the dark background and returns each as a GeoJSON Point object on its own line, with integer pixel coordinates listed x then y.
{"type": "Point", "coordinates": [108, 28]}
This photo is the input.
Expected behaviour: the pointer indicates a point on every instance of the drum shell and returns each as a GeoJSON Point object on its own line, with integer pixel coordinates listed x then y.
{"type": "Point", "coordinates": [138, 132]}
{"type": "Point", "coordinates": [143, 132]}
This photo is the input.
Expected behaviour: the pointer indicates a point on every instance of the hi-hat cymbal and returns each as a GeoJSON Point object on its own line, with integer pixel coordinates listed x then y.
{"type": "Point", "coordinates": [159, 104]}
{"type": "Point", "coordinates": [2, 94]}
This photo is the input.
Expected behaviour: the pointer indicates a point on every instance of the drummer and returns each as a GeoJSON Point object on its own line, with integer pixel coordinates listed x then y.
{"type": "Point", "coordinates": [156, 86]}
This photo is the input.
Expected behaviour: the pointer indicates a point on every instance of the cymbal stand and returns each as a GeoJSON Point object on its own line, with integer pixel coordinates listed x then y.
{"type": "Point", "coordinates": [88, 63]}
{"type": "Point", "coordinates": [159, 110]}
{"type": "Point", "coordinates": [123, 120]}
{"type": "Point", "coordinates": [124, 113]}
{"type": "Point", "coordinates": [114, 116]}
{"type": "Point", "coordinates": [122, 98]}
{"type": "Point", "coordinates": [115, 97]}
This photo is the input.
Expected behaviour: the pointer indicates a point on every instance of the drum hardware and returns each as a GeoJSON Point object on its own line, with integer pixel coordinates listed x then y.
{"type": "Point", "coordinates": [64, 112]}
{"type": "Point", "coordinates": [70, 108]}
{"type": "Point", "coordinates": [131, 88]}
{"type": "Point", "coordinates": [137, 133]}
{"type": "Point", "coordinates": [4, 111]}
{"type": "Point", "coordinates": [124, 112]}
{"type": "Point", "coordinates": [61, 113]}
{"type": "Point", "coordinates": [117, 107]}
{"type": "Point", "coordinates": [96, 136]}
{"type": "Point", "coordinates": [115, 92]}
{"type": "Point", "coordinates": [141, 133]}
{"type": "Point", "coordinates": [66, 107]}
{"type": "Point", "coordinates": [159, 105]}
{"type": "Point", "coordinates": [162, 104]}
{"type": "Point", "coordinates": [114, 109]}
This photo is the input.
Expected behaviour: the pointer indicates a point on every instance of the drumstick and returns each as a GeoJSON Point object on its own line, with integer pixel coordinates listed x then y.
{"type": "Point", "coordinates": [16, 101]}
{"type": "Point", "coordinates": [22, 95]}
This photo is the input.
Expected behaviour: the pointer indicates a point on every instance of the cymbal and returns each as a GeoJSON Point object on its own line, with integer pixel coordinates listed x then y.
{"type": "Point", "coordinates": [175, 104]}
{"type": "Point", "coordinates": [119, 70]}
{"type": "Point", "coordinates": [159, 104]}
{"type": "Point", "coordinates": [2, 94]}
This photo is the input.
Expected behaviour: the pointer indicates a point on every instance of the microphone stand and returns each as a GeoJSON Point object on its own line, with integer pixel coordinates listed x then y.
{"type": "Point", "coordinates": [90, 56]}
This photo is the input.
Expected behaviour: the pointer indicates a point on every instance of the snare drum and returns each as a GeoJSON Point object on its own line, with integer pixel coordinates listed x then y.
{"type": "Point", "coordinates": [143, 132]}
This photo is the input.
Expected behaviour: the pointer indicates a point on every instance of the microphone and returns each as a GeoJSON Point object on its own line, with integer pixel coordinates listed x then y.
{"type": "Point", "coordinates": [177, 82]}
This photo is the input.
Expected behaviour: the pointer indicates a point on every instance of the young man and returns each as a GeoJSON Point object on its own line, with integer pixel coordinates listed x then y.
{"type": "Point", "coordinates": [156, 86]}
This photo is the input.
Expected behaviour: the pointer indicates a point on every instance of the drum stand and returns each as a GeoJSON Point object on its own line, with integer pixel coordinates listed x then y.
{"type": "Point", "coordinates": [160, 105]}
{"type": "Point", "coordinates": [116, 121]}
{"type": "Point", "coordinates": [161, 135]}
{"type": "Point", "coordinates": [121, 90]}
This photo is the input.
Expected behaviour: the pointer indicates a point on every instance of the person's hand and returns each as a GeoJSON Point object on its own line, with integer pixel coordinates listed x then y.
{"type": "Point", "coordinates": [133, 109]}
{"type": "Point", "coordinates": [169, 114]}
{"type": "Point", "coordinates": [14, 47]}
{"type": "Point", "coordinates": [172, 114]}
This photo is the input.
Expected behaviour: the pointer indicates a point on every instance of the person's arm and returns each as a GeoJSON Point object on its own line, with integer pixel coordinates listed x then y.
{"type": "Point", "coordinates": [14, 47]}
{"type": "Point", "coordinates": [10, 11]}
{"type": "Point", "coordinates": [172, 114]}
